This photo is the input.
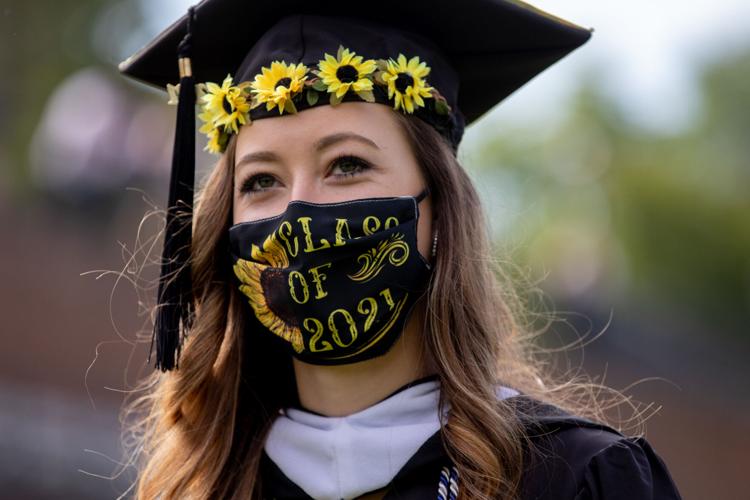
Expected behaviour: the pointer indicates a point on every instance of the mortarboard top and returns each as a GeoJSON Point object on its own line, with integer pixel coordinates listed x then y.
{"type": "Point", "coordinates": [495, 46]}
{"type": "Point", "coordinates": [478, 53]}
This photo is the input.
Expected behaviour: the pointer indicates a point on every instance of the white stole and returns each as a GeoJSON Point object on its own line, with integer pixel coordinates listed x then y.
{"type": "Point", "coordinates": [333, 458]}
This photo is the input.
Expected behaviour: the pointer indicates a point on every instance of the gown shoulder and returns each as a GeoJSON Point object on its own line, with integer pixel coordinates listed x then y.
{"type": "Point", "coordinates": [575, 458]}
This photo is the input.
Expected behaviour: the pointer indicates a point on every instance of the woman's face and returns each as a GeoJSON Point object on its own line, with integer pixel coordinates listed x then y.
{"type": "Point", "coordinates": [326, 154]}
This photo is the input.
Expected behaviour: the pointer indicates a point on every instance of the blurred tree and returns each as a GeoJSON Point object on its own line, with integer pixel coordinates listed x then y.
{"type": "Point", "coordinates": [41, 42]}
{"type": "Point", "coordinates": [663, 220]}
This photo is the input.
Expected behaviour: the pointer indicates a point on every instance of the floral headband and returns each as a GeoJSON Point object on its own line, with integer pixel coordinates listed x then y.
{"type": "Point", "coordinates": [227, 106]}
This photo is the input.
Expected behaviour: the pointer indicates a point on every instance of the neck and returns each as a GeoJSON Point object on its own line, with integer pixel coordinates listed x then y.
{"type": "Point", "coordinates": [345, 389]}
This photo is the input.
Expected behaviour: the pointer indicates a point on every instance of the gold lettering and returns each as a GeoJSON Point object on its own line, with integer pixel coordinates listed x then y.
{"type": "Point", "coordinates": [335, 332]}
{"type": "Point", "coordinates": [286, 227]}
{"type": "Point", "coordinates": [388, 298]}
{"type": "Point", "coordinates": [310, 247]}
{"type": "Point", "coordinates": [370, 225]}
{"type": "Point", "coordinates": [391, 222]}
{"type": "Point", "coordinates": [341, 224]}
{"type": "Point", "coordinates": [303, 282]}
{"type": "Point", "coordinates": [318, 279]}
{"type": "Point", "coordinates": [317, 330]}
{"type": "Point", "coordinates": [371, 311]}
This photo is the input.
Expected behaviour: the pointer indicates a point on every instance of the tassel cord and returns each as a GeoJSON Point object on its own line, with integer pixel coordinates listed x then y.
{"type": "Point", "coordinates": [175, 307]}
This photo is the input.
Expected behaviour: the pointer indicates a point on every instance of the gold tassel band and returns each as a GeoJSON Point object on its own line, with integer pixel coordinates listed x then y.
{"type": "Point", "coordinates": [186, 68]}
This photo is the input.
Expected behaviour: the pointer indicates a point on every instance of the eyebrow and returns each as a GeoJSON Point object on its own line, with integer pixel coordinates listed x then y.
{"type": "Point", "coordinates": [320, 144]}
{"type": "Point", "coordinates": [332, 139]}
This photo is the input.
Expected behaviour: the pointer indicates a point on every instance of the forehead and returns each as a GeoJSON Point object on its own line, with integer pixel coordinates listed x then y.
{"type": "Point", "coordinates": [374, 121]}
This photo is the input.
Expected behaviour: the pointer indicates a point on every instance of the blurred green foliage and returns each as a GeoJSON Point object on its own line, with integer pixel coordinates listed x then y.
{"type": "Point", "coordinates": [664, 219]}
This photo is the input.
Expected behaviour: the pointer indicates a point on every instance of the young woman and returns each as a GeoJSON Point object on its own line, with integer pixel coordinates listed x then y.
{"type": "Point", "coordinates": [345, 333]}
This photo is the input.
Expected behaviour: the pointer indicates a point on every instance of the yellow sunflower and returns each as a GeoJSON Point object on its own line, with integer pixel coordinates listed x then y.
{"type": "Point", "coordinates": [263, 277]}
{"type": "Point", "coordinates": [347, 71]}
{"type": "Point", "coordinates": [226, 105]}
{"type": "Point", "coordinates": [406, 82]}
{"type": "Point", "coordinates": [217, 138]}
{"type": "Point", "coordinates": [277, 85]}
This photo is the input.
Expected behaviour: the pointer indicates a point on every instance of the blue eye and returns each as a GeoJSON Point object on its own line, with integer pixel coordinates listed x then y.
{"type": "Point", "coordinates": [259, 182]}
{"type": "Point", "coordinates": [348, 165]}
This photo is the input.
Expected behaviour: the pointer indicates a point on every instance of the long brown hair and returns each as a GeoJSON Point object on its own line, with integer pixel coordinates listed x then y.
{"type": "Point", "coordinates": [198, 432]}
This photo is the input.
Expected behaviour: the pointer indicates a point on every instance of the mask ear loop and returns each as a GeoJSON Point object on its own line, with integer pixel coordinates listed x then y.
{"type": "Point", "coordinates": [421, 196]}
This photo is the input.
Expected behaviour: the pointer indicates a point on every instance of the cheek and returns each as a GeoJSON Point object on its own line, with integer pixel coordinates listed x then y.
{"type": "Point", "coordinates": [242, 211]}
{"type": "Point", "coordinates": [236, 211]}
{"type": "Point", "coordinates": [424, 230]}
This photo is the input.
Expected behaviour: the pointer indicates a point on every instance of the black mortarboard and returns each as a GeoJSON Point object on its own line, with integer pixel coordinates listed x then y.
{"type": "Point", "coordinates": [478, 51]}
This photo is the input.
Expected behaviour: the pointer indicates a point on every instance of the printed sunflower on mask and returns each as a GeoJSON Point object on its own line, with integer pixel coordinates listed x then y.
{"type": "Point", "coordinates": [347, 71]}
{"type": "Point", "coordinates": [263, 277]}
{"type": "Point", "coordinates": [278, 85]}
{"type": "Point", "coordinates": [406, 82]}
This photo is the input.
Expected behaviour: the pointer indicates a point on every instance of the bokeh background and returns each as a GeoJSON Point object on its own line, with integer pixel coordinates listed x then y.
{"type": "Point", "coordinates": [618, 181]}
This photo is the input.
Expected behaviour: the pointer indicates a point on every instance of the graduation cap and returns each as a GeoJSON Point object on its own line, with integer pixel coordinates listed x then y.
{"type": "Point", "coordinates": [447, 62]}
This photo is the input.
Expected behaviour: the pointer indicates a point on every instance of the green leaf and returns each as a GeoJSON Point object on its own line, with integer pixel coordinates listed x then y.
{"type": "Point", "coordinates": [289, 106]}
{"type": "Point", "coordinates": [223, 140]}
{"type": "Point", "coordinates": [379, 78]}
{"type": "Point", "coordinates": [312, 97]}
{"type": "Point", "coordinates": [320, 86]}
{"type": "Point", "coordinates": [382, 64]}
{"type": "Point", "coordinates": [441, 107]}
{"type": "Point", "coordinates": [367, 95]}
{"type": "Point", "coordinates": [335, 100]}
{"type": "Point", "coordinates": [339, 53]}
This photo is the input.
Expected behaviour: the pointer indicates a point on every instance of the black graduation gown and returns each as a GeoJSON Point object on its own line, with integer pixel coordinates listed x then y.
{"type": "Point", "coordinates": [573, 459]}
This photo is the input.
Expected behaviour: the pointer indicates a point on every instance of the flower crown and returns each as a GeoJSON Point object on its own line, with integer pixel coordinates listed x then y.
{"type": "Point", "coordinates": [227, 106]}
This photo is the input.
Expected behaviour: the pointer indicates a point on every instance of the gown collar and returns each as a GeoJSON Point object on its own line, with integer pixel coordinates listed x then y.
{"type": "Point", "coordinates": [345, 457]}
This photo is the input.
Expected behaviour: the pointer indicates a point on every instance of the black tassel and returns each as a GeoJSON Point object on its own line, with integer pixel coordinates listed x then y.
{"type": "Point", "coordinates": [175, 306]}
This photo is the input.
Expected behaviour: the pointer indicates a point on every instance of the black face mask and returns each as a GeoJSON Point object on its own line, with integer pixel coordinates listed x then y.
{"type": "Point", "coordinates": [336, 280]}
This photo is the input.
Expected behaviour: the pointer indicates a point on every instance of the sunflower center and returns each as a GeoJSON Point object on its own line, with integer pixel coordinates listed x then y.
{"type": "Point", "coordinates": [284, 82]}
{"type": "Point", "coordinates": [276, 291]}
{"type": "Point", "coordinates": [227, 105]}
{"type": "Point", "coordinates": [347, 74]}
{"type": "Point", "coordinates": [404, 80]}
